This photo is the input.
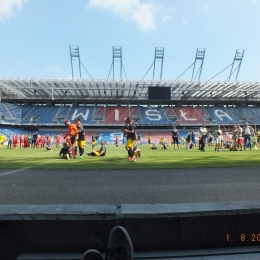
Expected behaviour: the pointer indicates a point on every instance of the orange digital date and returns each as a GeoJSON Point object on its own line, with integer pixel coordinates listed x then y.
{"type": "Point", "coordinates": [244, 238]}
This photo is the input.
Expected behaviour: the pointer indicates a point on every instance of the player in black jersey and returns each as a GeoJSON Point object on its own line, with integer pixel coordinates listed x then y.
{"type": "Point", "coordinates": [130, 131]}
{"type": "Point", "coordinates": [80, 143]}
{"type": "Point", "coordinates": [101, 152]}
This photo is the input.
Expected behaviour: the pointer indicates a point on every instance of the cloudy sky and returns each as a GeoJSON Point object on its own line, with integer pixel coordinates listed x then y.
{"type": "Point", "coordinates": [35, 36]}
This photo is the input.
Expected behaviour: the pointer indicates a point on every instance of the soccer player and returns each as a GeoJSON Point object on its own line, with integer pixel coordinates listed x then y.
{"type": "Point", "coordinates": [129, 130]}
{"type": "Point", "coordinates": [152, 146]}
{"type": "Point", "coordinates": [80, 143]}
{"type": "Point", "coordinates": [149, 138]}
{"type": "Point", "coordinates": [22, 141]}
{"type": "Point", "coordinates": [26, 144]}
{"type": "Point", "coordinates": [41, 141]}
{"type": "Point", "coordinates": [58, 140]}
{"type": "Point", "coordinates": [254, 140]}
{"type": "Point", "coordinates": [93, 141]}
{"type": "Point", "coordinates": [49, 147]}
{"type": "Point", "coordinates": [15, 141]}
{"type": "Point", "coordinates": [48, 140]}
{"type": "Point", "coordinates": [163, 143]}
{"type": "Point", "coordinates": [101, 152]}
{"type": "Point", "coordinates": [37, 142]}
{"type": "Point", "coordinates": [116, 141]}
{"type": "Point", "coordinates": [70, 137]}
{"type": "Point", "coordinates": [2, 139]}
{"type": "Point", "coordinates": [66, 151]}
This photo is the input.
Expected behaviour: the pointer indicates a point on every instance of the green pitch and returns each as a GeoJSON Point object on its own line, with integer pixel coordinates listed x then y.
{"type": "Point", "coordinates": [116, 158]}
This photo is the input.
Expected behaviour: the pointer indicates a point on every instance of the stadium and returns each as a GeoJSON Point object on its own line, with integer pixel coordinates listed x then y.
{"type": "Point", "coordinates": [102, 105]}
{"type": "Point", "coordinates": [155, 105]}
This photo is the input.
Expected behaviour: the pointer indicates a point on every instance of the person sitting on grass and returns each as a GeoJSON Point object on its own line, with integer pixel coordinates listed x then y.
{"type": "Point", "coordinates": [101, 152]}
{"type": "Point", "coordinates": [152, 146]}
{"type": "Point", "coordinates": [49, 147]}
{"type": "Point", "coordinates": [66, 152]}
{"type": "Point", "coordinates": [163, 143]}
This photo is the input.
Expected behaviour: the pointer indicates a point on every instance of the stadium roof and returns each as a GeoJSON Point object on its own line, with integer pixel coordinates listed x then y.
{"type": "Point", "coordinates": [68, 90]}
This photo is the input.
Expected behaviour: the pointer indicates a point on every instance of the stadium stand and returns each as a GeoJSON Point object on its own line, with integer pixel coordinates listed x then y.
{"type": "Point", "coordinates": [40, 115]}
{"type": "Point", "coordinates": [115, 115]}
{"type": "Point", "coordinates": [170, 113]}
{"type": "Point", "coordinates": [62, 113]}
{"type": "Point", "coordinates": [154, 116]}
{"type": "Point", "coordinates": [188, 115]}
{"type": "Point", "coordinates": [85, 113]}
{"type": "Point", "coordinates": [13, 110]}
{"type": "Point", "coordinates": [251, 114]}
{"type": "Point", "coordinates": [98, 115]}
{"type": "Point", "coordinates": [25, 111]}
{"type": "Point", "coordinates": [236, 113]}
{"type": "Point", "coordinates": [221, 115]}
{"type": "Point", "coordinates": [134, 112]}
{"type": "Point", "coordinates": [10, 113]}
{"type": "Point", "coordinates": [204, 114]}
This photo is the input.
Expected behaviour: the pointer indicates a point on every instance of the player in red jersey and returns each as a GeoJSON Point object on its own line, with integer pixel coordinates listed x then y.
{"type": "Point", "coordinates": [15, 141]}
{"type": "Point", "coordinates": [21, 141]}
{"type": "Point", "coordinates": [58, 140]}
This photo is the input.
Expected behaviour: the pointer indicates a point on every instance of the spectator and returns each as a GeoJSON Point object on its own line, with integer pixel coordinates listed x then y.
{"type": "Point", "coordinates": [239, 137]}
{"type": "Point", "coordinates": [119, 247]}
{"type": "Point", "coordinates": [248, 132]}
{"type": "Point", "coordinates": [175, 137]}
{"type": "Point", "coordinates": [202, 137]}
{"type": "Point", "coordinates": [218, 138]}
{"type": "Point", "coordinates": [10, 140]}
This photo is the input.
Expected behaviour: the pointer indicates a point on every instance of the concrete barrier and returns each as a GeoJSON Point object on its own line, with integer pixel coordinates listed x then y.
{"type": "Point", "coordinates": [157, 227]}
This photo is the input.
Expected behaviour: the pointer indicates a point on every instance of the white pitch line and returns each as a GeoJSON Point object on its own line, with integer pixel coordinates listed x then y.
{"type": "Point", "coordinates": [23, 169]}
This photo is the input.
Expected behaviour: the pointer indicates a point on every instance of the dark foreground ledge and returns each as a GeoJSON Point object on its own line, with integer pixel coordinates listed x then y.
{"type": "Point", "coordinates": [152, 227]}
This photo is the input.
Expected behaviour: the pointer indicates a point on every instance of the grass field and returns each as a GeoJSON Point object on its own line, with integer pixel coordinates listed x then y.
{"type": "Point", "coordinates": [116, 158]}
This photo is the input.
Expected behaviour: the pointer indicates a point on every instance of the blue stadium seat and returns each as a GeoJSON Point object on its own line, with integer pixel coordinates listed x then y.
{"type": "Point", "coordinates": [221, 115]}
{"type": "Point", "coordinates": [251, 114]}
{"type": "Point", "coordinates": [153, 116]}
{"type": "Point", "coordinates": [10, 113]}
{"type": "Point", "coordinates": [85, 113]}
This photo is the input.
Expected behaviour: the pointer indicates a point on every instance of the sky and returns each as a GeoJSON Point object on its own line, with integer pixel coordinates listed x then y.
{"type": "Point", "coordinates": [35, 36]}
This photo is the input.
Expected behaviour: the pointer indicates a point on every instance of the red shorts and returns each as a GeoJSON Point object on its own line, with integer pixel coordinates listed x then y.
{"type": "Point", "coordinates": [239, 141]}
